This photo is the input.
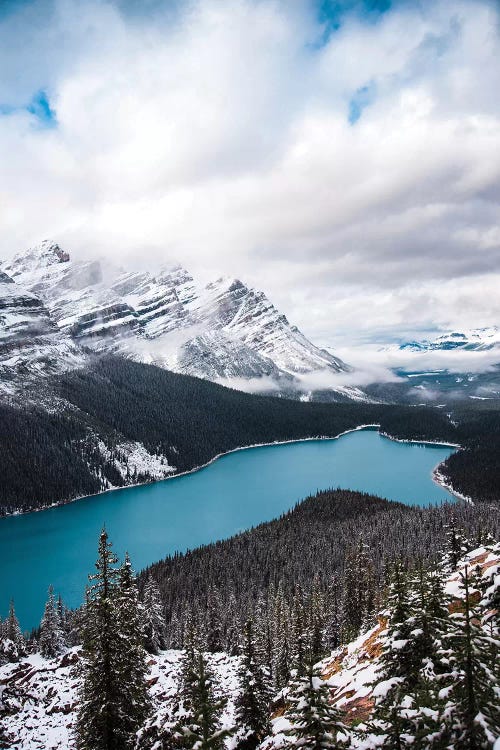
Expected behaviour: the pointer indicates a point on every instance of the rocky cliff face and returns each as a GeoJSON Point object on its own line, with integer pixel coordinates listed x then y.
{"type": "Point", "coordinates": [30, 341]}
{"type": "Point", "coordinates": [224, 330]}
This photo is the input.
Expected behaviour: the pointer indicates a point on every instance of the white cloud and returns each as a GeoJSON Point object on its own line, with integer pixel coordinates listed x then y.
{"type": "Point", "coordinates": [219, 136]}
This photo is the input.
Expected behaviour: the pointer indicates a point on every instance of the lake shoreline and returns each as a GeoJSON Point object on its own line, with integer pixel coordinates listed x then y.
{"type": "Point", "coordinates": [437, 476]}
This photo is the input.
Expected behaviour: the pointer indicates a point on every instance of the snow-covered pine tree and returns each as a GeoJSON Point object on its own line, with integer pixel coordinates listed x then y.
{"type": "Point", "coordinates": [252, 705]}
{"type": "Point", "coordinates": [457, 545]}
{"type": "Point", "coordinates": [316, 644]}
{"type": "Point", "coordinates": [199, 724]}
{"type": "Point", "coordinates": [14, 643]}
{"type": "Point", "coordinates": [491, 596]}
{"type": "Point", "coordinates": [429, 623]}
{"type": "Point", "coordinates": [282, 665]}
{"type": "Point", "coordinates": [213, 620]}
{"type": "Point", "coordinates": [188, 662]}
{"type": "Point", "coordinates": [232, 627]}
{"type": "Point", "coordinates": [134, 698]}
{"type": "Point", "coordinates": [395, 665]}
{"type": "Point", "coordinates": [51, 641]}
{"type": "Point", "coordinates": [315, 723]}
{"type": "Point", "coordinates": [299, 632]}
{"type": "Point", "coordinates": [154, 618]}
{"type": "Point", "coordinates": [358, 591]}
{"type": "Point", "coordinates": [264, 635]}
{"type": "Point", "coordinates": [106, 719]}
{"type": "Point", "coordinates": [472, 712]}
{"type": "Point", "coordinates": [62, 614]}
{"type": "Point", "coordinates": [332, 625]}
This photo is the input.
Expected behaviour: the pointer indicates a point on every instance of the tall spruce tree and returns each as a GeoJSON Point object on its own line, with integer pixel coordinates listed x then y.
{"type": "Point", "coordinates": [51, 642]}
{"type": "Point", "coordinates": [395, 665]}
{"type": "Point", "coordinates": [315, 723]}
{"type": "Point", "coordinates": [154, 618]}
{"type": "Point", "coordinates": [14, 643]}
{"type": "Point", "coordinates": [199, 724]}
{"type": "Point", "coordinates": [252, 705]}
{"type": "Point", "coordinates": [108, 717]}
{"type": "Point", "coordinates": [429, 623]}
{"type": "Point", "coordinates": [358, 591]}
{"type": "Point", "coordinates": [457, 545]}
{"type": "Point", "coordinates": [132, 667]}
{"type": "Point", "coordinates": [472, 712]}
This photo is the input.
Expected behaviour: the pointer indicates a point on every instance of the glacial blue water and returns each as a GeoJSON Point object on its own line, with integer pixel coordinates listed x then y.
{"type": "Point", "coordinates": [235, 492]}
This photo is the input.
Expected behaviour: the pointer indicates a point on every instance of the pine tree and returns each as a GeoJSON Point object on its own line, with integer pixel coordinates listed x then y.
{"type": "Point", "coordinates": [299, 633]}
{"type": "Point", "coordinates": [395, 665]}
{"type": "Point", "coordinates": [332, 627]}
{"type": "Point", "coordinates": [472, 712]}
{"type": "Point", "coordinates": [429, 625]}
{"type": "Point", "coordinates": [252, 705]}
{"type": "Point", "coordinates": [315, 723]}
{"type": "Point", "coordinates": [154, 619]}
{"type": "Point", "coordinates": [199, 725]}
{"type": "Point", "coordinates": [132, 667]}
{"type": "Point", "coordinates": [51, 636]}
{"type": "Point", "coordinates": [282, 666]}
{"type": "Point", "coordinates": [457, 545]}
{"type": "Point", "coordinates": [62, 613]}
{"type": "Point", "coordinates": [14, 643]}
{"type": "Point", "coordinates": [316, 620]}
{"type": "Point", "coordinates": [358, 591]}
{"type": "Point", "coordinates": [213, 630]}
{"type": "Point", "coordinates": [112, 675]}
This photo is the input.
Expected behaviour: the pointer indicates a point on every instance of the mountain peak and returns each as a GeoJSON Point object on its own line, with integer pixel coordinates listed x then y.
{"type": "Point", "coordinates": [47, 253]}
{"type": "Point", "coordinates": [5, 279]}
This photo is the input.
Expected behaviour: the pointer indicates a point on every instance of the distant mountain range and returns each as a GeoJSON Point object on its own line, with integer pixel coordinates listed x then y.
{"type": "Point", "coordinates": [477, 339]}
{"type": "Point", "coordinates": [54, 310]}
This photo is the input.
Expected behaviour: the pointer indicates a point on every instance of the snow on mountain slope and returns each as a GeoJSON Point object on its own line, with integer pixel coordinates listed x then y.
{"type": "Point", "coordinates": [30, 342]}
{"type": "Point", "coordinates": [229, 305]}
{"type": "Point", "coordinates": [477, 339]}
{"type": "Point", "coordinates": [78, 300]}
{"type": "Point", "coordinates": [351, 671]}
{"type": "Point", "coordinates": [225, 330]}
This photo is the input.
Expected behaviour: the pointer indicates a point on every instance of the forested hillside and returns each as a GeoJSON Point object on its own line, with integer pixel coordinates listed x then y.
{"type": "Point", "coordinates": [397, 648]}
{"type": "Point", "coordinates": [105, 410]}
{"type": "Point", "coordinates": [335, 548]}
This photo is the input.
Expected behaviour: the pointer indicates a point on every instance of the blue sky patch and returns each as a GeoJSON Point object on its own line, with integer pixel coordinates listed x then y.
{"type": "Point", "coordinates": [39, 106]}
{"type": "Point", "coordinates": [362, 98]}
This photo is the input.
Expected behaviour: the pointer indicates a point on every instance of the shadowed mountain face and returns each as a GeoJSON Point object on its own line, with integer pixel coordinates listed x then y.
{"type": "Point", "coordinates": [224, 330]}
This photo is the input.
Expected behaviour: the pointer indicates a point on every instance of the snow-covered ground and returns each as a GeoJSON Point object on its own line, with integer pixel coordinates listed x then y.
{"type": "Point", "coordinates": [133, 458]}
{"type": "Point", "coordinates": [40, 696]}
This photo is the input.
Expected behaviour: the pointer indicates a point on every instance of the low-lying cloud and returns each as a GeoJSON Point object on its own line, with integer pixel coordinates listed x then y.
{"type": "Point", "coordinates": [221, 134]}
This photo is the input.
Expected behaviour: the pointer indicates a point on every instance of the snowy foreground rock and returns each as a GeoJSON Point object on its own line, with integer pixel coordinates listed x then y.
{"type": "Point", "coordinates": [39, 697]}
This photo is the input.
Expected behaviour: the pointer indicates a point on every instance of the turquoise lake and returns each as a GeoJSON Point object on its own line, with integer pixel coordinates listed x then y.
{"type": "Point", "coordinates": [235, 492]}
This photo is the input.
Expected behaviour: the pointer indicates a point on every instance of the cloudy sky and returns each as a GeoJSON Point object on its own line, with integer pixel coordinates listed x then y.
{"type": "Point", "coordinates": [342, 156]}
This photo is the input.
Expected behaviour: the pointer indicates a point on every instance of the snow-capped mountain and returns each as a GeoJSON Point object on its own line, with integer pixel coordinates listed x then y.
{"type": "Point", "coordinates": [224, 330]}
{"type": "Point", "coordinates": [477, 339]}
{"type": "Point", "coordinates": [30, 341]}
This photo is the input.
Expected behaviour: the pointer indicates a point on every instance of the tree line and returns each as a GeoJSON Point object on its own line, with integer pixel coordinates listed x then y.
{"type": "Point", "coordinates": [436, 682]}
{"type": "Point", "coordinates": [48, 457]}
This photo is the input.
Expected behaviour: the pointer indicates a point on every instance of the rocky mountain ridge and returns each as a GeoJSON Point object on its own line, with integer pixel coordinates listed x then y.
{"type": "Point", "coordinates": [225, 330]}
{"type": "Point", "coordinates": [474, 339]}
